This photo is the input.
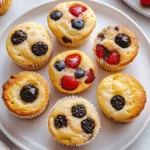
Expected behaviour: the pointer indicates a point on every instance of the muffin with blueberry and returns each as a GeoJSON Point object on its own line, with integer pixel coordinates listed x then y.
{"type": "Point", "coordinates": [73, 121]}
{"type": "Point", "coordinates": [121, 97]}
{"type": "Point", "coordinates": [4, 6]}
{"type": "Point", "coordinates": [29, 45]}
{"type": "Point", "coordinates": [71, 23]}
{"type": "Point", "coordinates": [115, 47]}
{"type": "Point", "coordinates": [72, 71]}
{"type": "Point", "coordinates": [26, 95]}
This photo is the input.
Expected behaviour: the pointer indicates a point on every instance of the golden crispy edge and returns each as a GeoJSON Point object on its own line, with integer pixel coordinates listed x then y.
{"type": "Point", "coordinates": [11, 81]}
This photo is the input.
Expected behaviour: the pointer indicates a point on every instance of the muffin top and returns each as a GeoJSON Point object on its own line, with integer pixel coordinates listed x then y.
{"type": "Point", "coordinates": [121, 97]}
{"type": "Point", "coordinates": [73, 121]}
{"type": "Point", "coordinates": [29, 43]}
{"type": "Point", "coordinates": [72, 71]}
{"type": "Point", "coordinates": [116, 45]}
{"type": "Point", "coordinates": [71, 21]}
{"type": "Point", "coordinates": [26, 93]}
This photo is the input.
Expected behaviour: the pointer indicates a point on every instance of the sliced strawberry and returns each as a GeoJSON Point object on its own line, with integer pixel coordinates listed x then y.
{"type": "Point", "coordinates": [77, 9]}
{"type": "Point", "coordinates": [69, 83]}
{"type": "Point", "coordinates": [90, 77]}
{"type": "Point", "coordinates": [101, 52]}
{"type": "Point", "coordinates": [73, 61]}
{"type": "Point", "coordinates": [145, 2]}
{"type": "Point", "coordinates": [113, 59]}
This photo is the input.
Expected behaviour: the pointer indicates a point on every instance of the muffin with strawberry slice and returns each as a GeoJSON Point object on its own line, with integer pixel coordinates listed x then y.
{"type": "Point", "coordinates": [115, 47]}
{"type": "Point", "coordinates": [72, 71]}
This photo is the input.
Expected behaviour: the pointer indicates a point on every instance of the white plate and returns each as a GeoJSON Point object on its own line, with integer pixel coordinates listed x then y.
{"type": "Point", "coordinates": [136, 5]}
{"type": "Point", "coordinates": [34, 134]}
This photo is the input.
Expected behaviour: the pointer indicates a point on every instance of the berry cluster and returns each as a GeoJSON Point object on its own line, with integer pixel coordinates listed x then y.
{"type": "Point", "coordinates": [71, 82]}
{"type": "Point", "coordinates": [78, 111]}
{"type": "Point", "coordinates": [38, 49]}
{"type": "Point", "coordinates": [113, 57]}
{"type": "Point", "coordinates": [77, 23]}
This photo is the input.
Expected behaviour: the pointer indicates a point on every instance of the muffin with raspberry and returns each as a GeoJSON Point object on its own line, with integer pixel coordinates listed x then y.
{"type": "Point", "coordinates": [121, 97]}
{"type": "Point", "coordinates": [72, 71]}
{"type": "Point", "coordinates": [115, 47]}
{"type": "Point", "coordinates": [71, 23]}
{"type": "Point", "coordinates": [29, 45]}
{"type": "Point", "coordinates": [26, 95]}
{"type": "Point", "coordinates": [73, 121]}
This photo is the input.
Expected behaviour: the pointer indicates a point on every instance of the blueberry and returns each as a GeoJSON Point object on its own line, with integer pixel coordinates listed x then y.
{"type": "Point", "coordinates": [123, 40]}
{"type": "Point", "coordinates": [79, 73]}
{"type": "Point", "coordinates": [29, 93]}
{"type": "Point", "coordinates": [78, 111]}
{"type": "Point", "coordinates": [60, 121]}
{"type": "Point", "coordinates": [78, 24]}
{"type": "Point", "coordinates": [60, 65]}
{"type": "Point", "coordinates": [88, 125]}
{"type": "Point", "coordinates": [117, 28]}
{"type": "Point", "coordinates": [18, 37]}
{"type": "Point", "coordinates": [117, 102]}
{"type": "Point", "coordinates": [39, 48]}
{"type": "Point", "coordinates": [66, 40]}
{"type": "Point", "coordinates": [56, 15]}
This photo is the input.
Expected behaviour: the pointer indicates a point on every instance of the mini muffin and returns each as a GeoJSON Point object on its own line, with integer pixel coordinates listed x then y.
{"type": "Point", "coordinates": [29, 45]}
{"type": "Point", "coordinates": [72, 71]}
{"type": "Point", "coordinates": [4, 6]}
{"type": "Point", "coordinates": [26, 95]}
{"type": "Point", "coordinates": [71, 23]}
{"type": "Point", "coordinates": [121, 97]}
{"type": "Point", "coordinates": [73, 121]}
{"type": "Point", "coordinates": [115, 47]}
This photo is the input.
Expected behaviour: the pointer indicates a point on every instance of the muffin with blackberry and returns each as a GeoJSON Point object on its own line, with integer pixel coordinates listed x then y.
{"type": "Point", "coordinates": [71, 23]}
{"type": "Point", "coordinates": [115, 47]}
{"type": "Point", "coordinates": [26, 95]}
{"type": "Point", "coordinates": [121, 97]}
{"type": "Point", "coordinates": [29, 45]}
{"type": "Point", "coordinates": [73, 121]}
{"type": "Point", "coordinates": [72, 71]}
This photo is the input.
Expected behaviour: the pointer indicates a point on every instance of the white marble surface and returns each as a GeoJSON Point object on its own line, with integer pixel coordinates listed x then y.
{"type": "Point", "coordinates": [20, 6]}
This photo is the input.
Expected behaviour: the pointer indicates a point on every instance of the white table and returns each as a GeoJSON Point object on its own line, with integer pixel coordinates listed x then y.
{"type": "Point", "coordinates": [20, 6]}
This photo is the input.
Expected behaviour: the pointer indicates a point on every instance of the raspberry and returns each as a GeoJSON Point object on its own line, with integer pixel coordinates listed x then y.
{"type": "Point", "coordinates": [145, 2]}
{"type": "Point", "coordinates": [101, 52]}
{"type": "Point", "coordinates": [77, 9]}
{"type": "Point", "coordinates": [73, 61]}
{"type": "Point", "coordinates": [113, 59]}
{"type": "Point", "coordinates": [90, 77]}
{"type": "Point", "coordinates": [69, 83]}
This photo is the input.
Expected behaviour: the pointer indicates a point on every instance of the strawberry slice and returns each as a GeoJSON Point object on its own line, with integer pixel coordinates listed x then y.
{"type": "Point", "coordinates": [69, 83]}
{"type": "Point", "coordinates": [73, 61]}
{"type": "Point", "coordinates": [77, 9]}
{"type": "Point", "coordinates": [90, 77]}
{"type": "Point", "coordinates": [101, 52]}
{"type": "Point", "coordinates": [145, 2]}
{"type": "Point", "coordinates": [113, 59]}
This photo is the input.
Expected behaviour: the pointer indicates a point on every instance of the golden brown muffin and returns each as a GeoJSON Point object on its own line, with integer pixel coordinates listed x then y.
{"type": "Point", "coordinates": [72, 71]}
{"type": "Point", "coordinates": [4, 6]}
{"type": "Point", "coordinates": [29, 45]}
{"type": "Point", "coordinates": [115, 47]}
{"type": "Point", "coordinates": [71, 23]}
{"type": "Point", "coordinates": [121, 97]}
{"type": "Point", "coordinates": [73, 121]}
{"type": "Point", "coordinates": [26, 95]}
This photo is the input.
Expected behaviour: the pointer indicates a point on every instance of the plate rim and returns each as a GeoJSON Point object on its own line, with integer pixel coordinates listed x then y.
{"type": "Point", "coordinates": [93, 1]}
{"type": "Point", "coordinates": [136, 9]}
